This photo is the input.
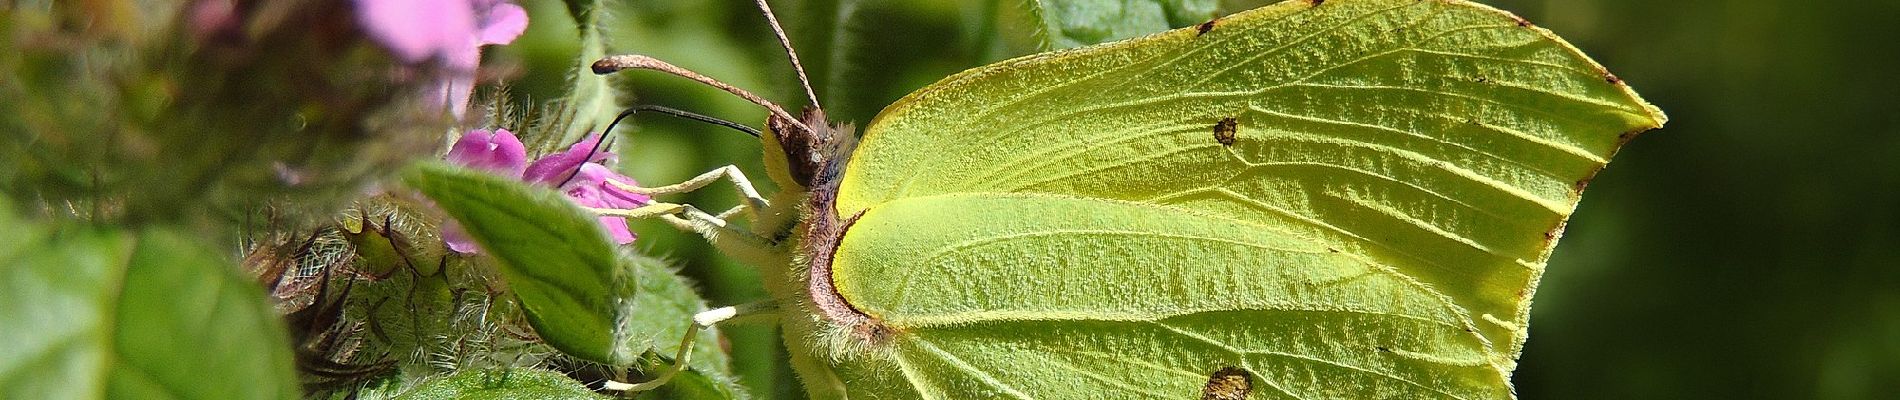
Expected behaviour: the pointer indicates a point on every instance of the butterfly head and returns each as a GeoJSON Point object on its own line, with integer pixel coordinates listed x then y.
{"type": "Point", "coordinates": [808, 153]}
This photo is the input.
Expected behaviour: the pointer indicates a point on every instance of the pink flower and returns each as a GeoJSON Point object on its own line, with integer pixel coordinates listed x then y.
{"type": "Point", "coordinates": [502, 153]}
{"type": "Point", "coordinates": [497, 151]}
{"type": "Point", "coordinates": [448, 32]}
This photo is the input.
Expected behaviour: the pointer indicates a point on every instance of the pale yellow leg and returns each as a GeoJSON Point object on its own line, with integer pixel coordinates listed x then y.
{"type": "Point", "coordinates": [738, 243]}
{"type": "Point", "coordinates": [702, 320]}
{"type": "Point", "coordinates": [752, 200]}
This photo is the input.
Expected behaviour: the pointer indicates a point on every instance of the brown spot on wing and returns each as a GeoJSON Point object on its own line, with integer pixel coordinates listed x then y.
{"type": "Point", "coordinates": [1555, 232]}
{"type": "Point", "coordinates": [1226, 131]}
{"type": "Point", "coordinates": [1230, 383]}
{"type": "Point", "coordinates": [1625, 138]}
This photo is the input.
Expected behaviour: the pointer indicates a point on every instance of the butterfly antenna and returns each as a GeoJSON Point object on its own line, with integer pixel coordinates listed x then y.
{"type": "Point", "coordinates": [789, 53]}
{"type": "Point", "coordinates": [606, 135]}
{"type": "Point", "coordinates": [613, 64]}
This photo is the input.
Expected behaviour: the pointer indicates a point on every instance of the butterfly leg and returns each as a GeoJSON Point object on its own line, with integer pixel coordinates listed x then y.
{"type": "Point", "coordinates": [752, 200]}
{"type": "Point", "coordinates": [650, 210]}
{"type": "Point", "coordinates": [740, 243]}
{"type": "Point", "coordinates": [703, 320]}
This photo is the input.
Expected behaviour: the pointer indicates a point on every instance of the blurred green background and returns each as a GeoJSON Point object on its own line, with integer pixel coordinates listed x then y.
{"type": "Point", "coordinates": [1750, 249]}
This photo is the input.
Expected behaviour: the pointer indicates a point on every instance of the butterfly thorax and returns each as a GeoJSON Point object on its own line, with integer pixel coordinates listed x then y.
{"type": "Point", "coordinates": [815, 160]}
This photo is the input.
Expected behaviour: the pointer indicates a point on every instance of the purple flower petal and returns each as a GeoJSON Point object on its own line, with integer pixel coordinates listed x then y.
{"type": "Point", "coordinates": [417, 30]}
{"type": "Point", "coordinates": [457, 239]}
{"type": "Point", "coordinates": [590, 188]}
{"type": "Point", "coordinates": [556, 167]}
{"type": "Point", "coordinates": [451, 32]}
{"type": "Point", "coordinates": [617, 229]}
{"type": "Point", "coordinates": [501, 22]}
{"type": "Point", "coordinates": [497, 151]}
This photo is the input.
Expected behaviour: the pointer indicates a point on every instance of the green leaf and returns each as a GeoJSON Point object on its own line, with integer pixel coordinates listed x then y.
{"type": "Point", "coordinates": [692, 384]}
{"type": "Point", "coordinates": [555, 256]}
{"type": "Point", "coordinates": [524, 384]}
{"type": "Point", "coordinates": [665, 306]}
{"type": "Point", "coordinates": [590, 102]}
{"type": "Point", "coordinates": [95, 312]}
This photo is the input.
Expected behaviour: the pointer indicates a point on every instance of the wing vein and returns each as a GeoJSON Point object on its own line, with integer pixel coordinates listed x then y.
{"type": "Point", "coordinates": [980, 376]}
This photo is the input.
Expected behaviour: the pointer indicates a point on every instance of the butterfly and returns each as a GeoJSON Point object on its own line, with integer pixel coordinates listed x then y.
{"type": "Point", "coordinates": [1312, 199]}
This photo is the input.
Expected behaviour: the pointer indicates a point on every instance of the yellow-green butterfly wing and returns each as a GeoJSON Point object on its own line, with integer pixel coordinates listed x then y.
{"type": "Point", "coordinates": [1347, 199]}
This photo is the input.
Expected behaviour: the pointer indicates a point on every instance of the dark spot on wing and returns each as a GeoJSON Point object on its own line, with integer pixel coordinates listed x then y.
{"type": "Point", "coordinates": [1226, 131]}
{"type": "Point", "coordinates": [1624, 138]}
{"type": "Point", "coordinates": [1611, 78]}
{"type": "Point", "coordinates": [1231, 383]}
{"type": "Point", "coordinates": [1205, 26]}
{"type": "Point", "coordinates": [1553, 233]}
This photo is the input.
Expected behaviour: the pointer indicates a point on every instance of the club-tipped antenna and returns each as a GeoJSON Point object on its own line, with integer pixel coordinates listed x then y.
{"type": "Point", "coordinates": [607, 134]}
{"type": "Point", "coordinates": [785, 42]}
{"type": "Point", "coordinates": [613, 64]}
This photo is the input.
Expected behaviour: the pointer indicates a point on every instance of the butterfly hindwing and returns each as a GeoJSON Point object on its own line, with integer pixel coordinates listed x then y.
{"type": "Point", "coordinates": [1307, 200]}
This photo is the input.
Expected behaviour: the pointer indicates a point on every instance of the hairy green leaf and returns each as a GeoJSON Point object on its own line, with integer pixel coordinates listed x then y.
{"type": "Point", "coordinates": [512, 384]}
{"type": "Point", "coordinates": [556, 258]}
{"type": "Point", "coordinates": [102, 313]}
{"type": "Point", "coordinates": [692, 384]}
{"type": "Point", "coordinates": [662, 310]}
{"type": "Point", "coordinates": [591, 101]}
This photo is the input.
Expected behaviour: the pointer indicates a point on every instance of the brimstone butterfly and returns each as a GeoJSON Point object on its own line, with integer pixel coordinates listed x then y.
{"type": "Point", "coordinates": [1339, 199]}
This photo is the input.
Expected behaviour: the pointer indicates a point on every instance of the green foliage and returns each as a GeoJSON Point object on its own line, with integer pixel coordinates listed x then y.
{"type": "Point", "coordinates": [100, 312]}
{"type": "Point", "coordinates": [581, 295]}
{"type": "Point", "coordinates": [132, 117]}
{"type": "Point", "coordinates": [556, 259]}
{"type": "Point", "coordinates": [513, 384]}
{"type": "Point", "coordinates": [106, 116]}
{"type": "Point", "coordinates": [590, 102]}
{"type": "Point", "coordinates": [659, 315]}
{"type": "Point", "coordinates": [693, 384]}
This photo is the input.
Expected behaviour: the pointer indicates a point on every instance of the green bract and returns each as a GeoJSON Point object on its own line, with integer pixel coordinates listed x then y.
{"type": "Point", "coordinates": [556, 259]}
{"type": "Point", "coordinates": [1347, 199]}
